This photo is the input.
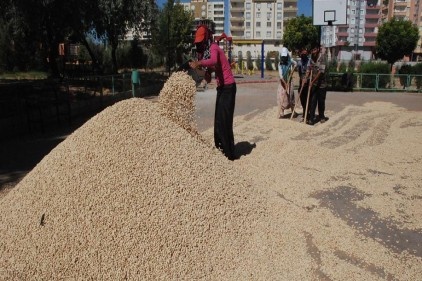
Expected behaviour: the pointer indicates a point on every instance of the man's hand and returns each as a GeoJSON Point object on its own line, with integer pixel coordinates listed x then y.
{"type": "Point", "coordinates": [194, 64]}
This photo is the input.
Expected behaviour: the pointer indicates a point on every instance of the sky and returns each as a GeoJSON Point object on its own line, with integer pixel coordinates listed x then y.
{"type": "Point", "coordinates": [304, 6]}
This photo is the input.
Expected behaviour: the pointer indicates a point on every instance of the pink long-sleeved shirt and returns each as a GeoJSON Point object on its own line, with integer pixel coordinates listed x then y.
{"type": "Point", "coordinates": [218, 61]}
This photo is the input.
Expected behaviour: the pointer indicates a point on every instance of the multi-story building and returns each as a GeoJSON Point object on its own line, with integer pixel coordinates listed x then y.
{"type": "Point", "coordinates": [248, 22]}
{"type": "Point", "coordinates": [253, 22]}
{"type": "Point", "coordinates": [357, 38]}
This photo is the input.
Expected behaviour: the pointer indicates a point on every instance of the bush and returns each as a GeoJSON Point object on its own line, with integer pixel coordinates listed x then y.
{"type": "Point", "coordinates": [417, 70]}
{"type": "Point", "coordinates": [404, 69]}
{"type": "Point", "coordinates": [258, 62]}
{"type": "Point", "coordinates": [375, 68]}
{"type": "Point", "coordinates": [268, 63]}
{"type": "Point", "coordinates": [249, 63]}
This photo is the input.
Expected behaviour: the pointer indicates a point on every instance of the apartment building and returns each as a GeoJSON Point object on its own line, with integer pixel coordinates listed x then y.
{"type": "Point", "coordinates": [254, 21]}
{"type": "Point", "coordinates": [357, 38]}
{"type": "Point", "coordinates": [248, 22]}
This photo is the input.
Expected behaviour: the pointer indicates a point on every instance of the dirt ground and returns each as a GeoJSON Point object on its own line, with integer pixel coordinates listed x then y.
{"type": "Point", "coordinates": [347, 192]}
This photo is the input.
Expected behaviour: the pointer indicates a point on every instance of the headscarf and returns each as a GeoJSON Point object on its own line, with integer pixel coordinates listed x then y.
{"type": "Point", "coordinates": [203, 40]}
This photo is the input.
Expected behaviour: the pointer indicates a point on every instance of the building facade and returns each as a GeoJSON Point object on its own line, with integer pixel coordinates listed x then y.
{"type": "Point", "coordinates": [248, 22]}
{"type": "Point", "coordinates": [357, 39]}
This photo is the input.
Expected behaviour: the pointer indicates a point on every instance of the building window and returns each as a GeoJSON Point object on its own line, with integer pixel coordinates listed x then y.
{"type": "Point", "coordinates": [258, 6]}
{"type": "Point", "coordinates": [268, 24]}
{"type": "Point", "coordinates": [279, 25]}
{"type": "Point", "coordinates": [268, 34]}
{"type": "Point", "coordinates": [248, 6]}
{"type": "Point", "coordinates": [279, 6]}
{"type": "Point", "coordinates": [258, 34]}
{"type": "Point", "coordinates": [269, 6]}
{"type": "Point", "coordinates": [279, 16]}
{"type": "Point", "coordinates": [258, 24]}
{"type": "Point", "coordinates": [352, 30]}
{"type": "Point", "coordinates": [258, 15]}
{"type": "Point", "coordinates": [248, 25]}
{"type": "Point", "coordinates": [248, 15]}
{"type": "Point", "coordinates": [279, 34]}
{"type": "Point", "coordinates": [268, 15]}
{"type": "Point", "coordinates": [360, 30]}
{"type": "Point", "coordinates": [248, 34]}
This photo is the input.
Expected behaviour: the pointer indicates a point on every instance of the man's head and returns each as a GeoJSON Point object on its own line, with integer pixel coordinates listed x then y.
{"type": "Point", "coordinates": [284, 55]}
{"type": "Point", "coordinates": [315, 51]}
{"type": "Point", "coordinates": [202, 36]}
{"type": "Point", "coordinates": [303, 54]}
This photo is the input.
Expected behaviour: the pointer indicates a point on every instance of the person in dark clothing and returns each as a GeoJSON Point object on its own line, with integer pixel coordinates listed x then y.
{"type": "Point", "coordinates": [304, 69]}
{"type": "Point", "coordinates": [319, 86]}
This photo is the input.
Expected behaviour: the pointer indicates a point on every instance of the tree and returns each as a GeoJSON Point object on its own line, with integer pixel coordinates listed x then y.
{"type": "Point", "coordinates": [396, 38]}
{"type": "Point", "coordinates": [174, 37]}
{"type": "Point", "coordinates": [300, 33]}
{"type": "Point", "coordinates": [116, 18]}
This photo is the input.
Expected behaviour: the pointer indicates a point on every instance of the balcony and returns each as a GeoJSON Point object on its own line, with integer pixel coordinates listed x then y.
{"type": "Point", "coordinates": [370, 34]}
{"type": "Point", "coordinates": [237, 28]}
{"type": "Point", "coordinates": [342, 34]}
{"type": "Point", "coordinates": [377, 7]}
{"type": "Point", "coordinates": [237, 19]}
{"type": "Point", "coordinates": [290, 9]}
{"type": "Point", "coordinates": [369, 44]}
{"type": "Point", "coordinates": [372, 16]}
{"type": "Point", "coordinates": [289, 15]}
{"type": "Point", "coordinates": [371, 25]}
{"type": "Point", "coordinates": [237, 9]}
{"type": "Point", "coordinates": [400, 4]}
{"type": "Point", "coordinates": [399, 13]}
{"type": "Point", "coordinates": [342, 43]}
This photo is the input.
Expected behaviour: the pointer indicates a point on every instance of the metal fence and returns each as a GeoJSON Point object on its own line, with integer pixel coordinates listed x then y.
{"type": "Point", "coordinates": [374, 82]}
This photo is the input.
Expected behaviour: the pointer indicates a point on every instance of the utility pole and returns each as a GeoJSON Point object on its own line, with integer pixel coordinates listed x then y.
{"type": "Point", "coordinates": [357, 26]}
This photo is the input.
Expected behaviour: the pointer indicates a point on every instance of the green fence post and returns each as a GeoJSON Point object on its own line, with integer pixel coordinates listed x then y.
{"type": "Point", "coordinates": [135, 80]}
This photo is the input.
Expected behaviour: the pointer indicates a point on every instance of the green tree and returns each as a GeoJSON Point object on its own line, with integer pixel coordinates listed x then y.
{"type": "Point", "coordinates": [396, 38]}
{"type": "Point", "coordinates": [173, 38]}
{"type": "Point", "coordinates": [117, 17]}
{"type": "Point", "coordinates": [300, 33]}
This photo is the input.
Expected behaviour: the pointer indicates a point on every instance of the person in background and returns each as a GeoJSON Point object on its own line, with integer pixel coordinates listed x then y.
{"type": "Point", "coordinates": [211, 56]}
{"type": "Point", "coordinates": [304, 69]}
{"type": "Point", "coordinates": [319, 85]}
{"type": "Point", "coordinates": [285, 91]}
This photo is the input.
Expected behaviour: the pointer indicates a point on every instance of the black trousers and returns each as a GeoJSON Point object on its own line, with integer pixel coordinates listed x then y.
{"type": "Point", "coordinates": [223, 120]}
{"type": "Point", "coordinates": [318, 100]}
{"type": "Point", "coordinates": [303, 98]}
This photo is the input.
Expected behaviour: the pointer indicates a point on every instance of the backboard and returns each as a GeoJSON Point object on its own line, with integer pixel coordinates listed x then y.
{"type": "Point", "coordinates": [329, 12]}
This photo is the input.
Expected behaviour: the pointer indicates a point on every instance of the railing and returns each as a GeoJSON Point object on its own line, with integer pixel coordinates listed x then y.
{"type": "Point", "coordinates": [375, 82]}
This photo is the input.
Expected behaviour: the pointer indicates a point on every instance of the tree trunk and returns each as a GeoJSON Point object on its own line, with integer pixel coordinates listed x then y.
{"type": "Point", "coordinates": [113, 56]}
{"type": "Point", "coordinates": [95, 63]}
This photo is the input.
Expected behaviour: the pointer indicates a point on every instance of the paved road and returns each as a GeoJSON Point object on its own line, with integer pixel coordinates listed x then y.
{"type": "Point", "coordinates": [256, 97]}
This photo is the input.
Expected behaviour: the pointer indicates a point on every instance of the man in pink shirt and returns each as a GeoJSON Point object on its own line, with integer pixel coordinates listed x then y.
{"type": "Point", "coordinates": [212, 57]}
